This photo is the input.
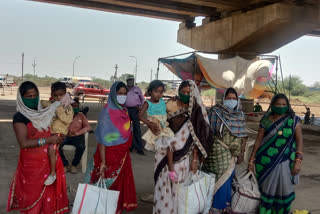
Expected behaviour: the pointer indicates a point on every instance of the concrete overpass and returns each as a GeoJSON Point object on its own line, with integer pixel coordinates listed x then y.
{"type": "Point", "coordinates": [229, 26]}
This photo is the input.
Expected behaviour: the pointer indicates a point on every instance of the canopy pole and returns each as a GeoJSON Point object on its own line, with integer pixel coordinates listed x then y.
{"type": "Point", "coordinates": [281, 74]}
{"type": "Point", "coordinates": [158, 69]}
{"type": "Point", "coordinates": [277, 76]}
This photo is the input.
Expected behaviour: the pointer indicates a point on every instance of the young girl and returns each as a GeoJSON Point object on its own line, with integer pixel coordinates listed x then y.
{"type": "Point", "coordinates": [159, 136]}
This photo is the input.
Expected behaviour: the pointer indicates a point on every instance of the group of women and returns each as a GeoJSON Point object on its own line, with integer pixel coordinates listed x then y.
{"type": "Point", "coordinates": [215, 140]}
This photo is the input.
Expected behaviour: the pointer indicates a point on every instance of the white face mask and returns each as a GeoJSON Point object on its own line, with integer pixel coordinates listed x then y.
{"type": "Point", "coordinates": [230, 103]}
{"type": "Point", "coordinates": [121, 99]}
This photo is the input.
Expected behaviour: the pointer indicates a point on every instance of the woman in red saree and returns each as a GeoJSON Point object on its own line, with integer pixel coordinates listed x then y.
{"type": "Point", "coordinates": [112, 159]}
{"type": "Point", "coordinates": [28, 194]}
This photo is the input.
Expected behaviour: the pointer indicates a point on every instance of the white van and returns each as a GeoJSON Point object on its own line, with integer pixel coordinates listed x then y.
{"type": "Point", "coordinates": [68, 81]}
{"type": "Point", "coordinates": [72, 81]}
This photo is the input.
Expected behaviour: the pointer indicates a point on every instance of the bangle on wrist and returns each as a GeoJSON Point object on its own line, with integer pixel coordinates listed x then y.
{"type": "Point", "coordinates": [39, 143]}
{"type": "Point", "coordinates": [103, 165]}
{"type": "Point", "coordinates": [44, 141]}
{"type": "Point", "coordinates": [299, 160]}
{"type": "Point", "coordinates": [252, 161]}
{"type": "Point", "coordinates": [195, 161]}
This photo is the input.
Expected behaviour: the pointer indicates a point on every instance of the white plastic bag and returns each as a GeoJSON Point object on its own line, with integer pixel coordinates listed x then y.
{"type": "Point", "coordinates": [195, 194]}
{"type": "Point", "coordinates": [95, 200]}
{"type": "Point", "coordinates": [246, 195]}
{"type": "Point", "coordinates": [211, 179]}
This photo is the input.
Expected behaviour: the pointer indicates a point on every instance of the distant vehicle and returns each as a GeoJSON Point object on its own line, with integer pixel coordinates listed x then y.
{"type": "Point", "coordinates": [6, 80]}
{"type": "Point", "coordinates": [89, 88]}
{"type": "Point", "coordinates": [72, 81]}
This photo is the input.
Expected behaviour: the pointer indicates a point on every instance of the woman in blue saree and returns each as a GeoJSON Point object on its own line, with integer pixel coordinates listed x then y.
{"type": "Point", "coordinates": [277, 156]}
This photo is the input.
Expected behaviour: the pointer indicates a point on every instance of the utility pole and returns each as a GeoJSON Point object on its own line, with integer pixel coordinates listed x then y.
{"type": "Point", "coordinates": [34, 68]}
{"type": "Point", "coordinates": [74, 61]}
{"type": "Point", "coordinates": [289, 87]}
{"type": "Point", "coordinates": [22, 64]}
{"type": "Point", "coordinates": [136, 71]}
{"type": "Point", "coordinates": [151, 76]}
{"type": "Point", "coordinates": [115, 73]}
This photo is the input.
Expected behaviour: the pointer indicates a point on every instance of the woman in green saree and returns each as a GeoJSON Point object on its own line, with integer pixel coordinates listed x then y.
{"type": "Point", "coordinates": [277, 156]}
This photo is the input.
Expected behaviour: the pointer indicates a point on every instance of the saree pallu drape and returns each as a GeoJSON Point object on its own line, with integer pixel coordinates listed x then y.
{"type": "Point", "coordinates": [274, 162]}
{"type": "Point", "coordinates": [28, 194]}
{"type": "Point", "coordinates": [191, 129]}
{"type": "Point", "coordinates": [118, 175]}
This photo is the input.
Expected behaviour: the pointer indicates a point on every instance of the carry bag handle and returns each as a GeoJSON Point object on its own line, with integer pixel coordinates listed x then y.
{"type": "Point", "coordinates": [101, 182]}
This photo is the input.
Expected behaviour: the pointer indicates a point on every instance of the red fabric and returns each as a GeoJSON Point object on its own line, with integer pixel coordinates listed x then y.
{"type": "Point", "coordinates": [28, 194]}
{"type": "Point", "coordinates": [117, 156]}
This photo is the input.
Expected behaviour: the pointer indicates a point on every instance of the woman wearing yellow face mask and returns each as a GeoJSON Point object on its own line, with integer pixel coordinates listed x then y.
{"type": "Point", "coordinates": [277, 156]}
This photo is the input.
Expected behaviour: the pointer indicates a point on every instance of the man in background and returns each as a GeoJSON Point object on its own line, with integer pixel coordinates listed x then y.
{"type": "Point", "coordinates": [78, 127]}
{"type": "Point", "coordinates": [307, 115]}
{"type": "Point", "coordinates": [135, 100]}
{"type": "Point", "coordinates": [257, 108]}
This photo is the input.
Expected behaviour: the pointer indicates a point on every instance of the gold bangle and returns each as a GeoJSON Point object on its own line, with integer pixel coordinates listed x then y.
{"type": "Point", "coordinates": [194, 160]}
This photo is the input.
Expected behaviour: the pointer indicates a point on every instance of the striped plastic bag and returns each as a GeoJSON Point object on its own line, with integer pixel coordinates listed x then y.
{"type": "Point", "coordinates": [195, 194]}
{"type": "Point", "coordinates": [95, 199]}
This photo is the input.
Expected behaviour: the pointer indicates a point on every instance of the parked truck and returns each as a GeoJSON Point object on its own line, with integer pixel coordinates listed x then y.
{"type": "Point", "coordinates": [6, 80]}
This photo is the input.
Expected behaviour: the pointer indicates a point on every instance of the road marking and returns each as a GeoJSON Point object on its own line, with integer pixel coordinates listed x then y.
{"type": "Point", "coordinates": [5, 120]}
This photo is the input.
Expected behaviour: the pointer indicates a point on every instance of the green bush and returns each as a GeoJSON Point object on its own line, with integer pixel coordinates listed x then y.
{"type": "Point", "coordinates": [209, 92]}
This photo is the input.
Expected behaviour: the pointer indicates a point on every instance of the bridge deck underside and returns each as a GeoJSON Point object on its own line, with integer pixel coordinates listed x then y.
{"type": "Point", "coordinates": [177, 10]}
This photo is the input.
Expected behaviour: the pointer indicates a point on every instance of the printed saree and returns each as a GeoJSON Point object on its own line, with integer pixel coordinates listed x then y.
{"type": "Point", "coordinates": [274, 162]}
{"type": "Point", "coordinates": [191, 129]}
{"type": "Point", "coordinates": [114, 132]}
{"type": "Point", "coordinates": [28, 194]}
{"type": "Point", "coordinates": [118, 175]}
{"type": "Point", "coordinates": [228, 126]}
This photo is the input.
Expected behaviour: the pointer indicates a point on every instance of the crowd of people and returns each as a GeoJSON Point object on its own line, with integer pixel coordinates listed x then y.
{"type": "Point", "coordinates": [182, 133]}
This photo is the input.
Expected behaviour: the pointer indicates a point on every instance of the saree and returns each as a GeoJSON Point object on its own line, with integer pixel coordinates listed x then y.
{"type": "Point", "coordinates": [114, 132]}
{"type": "Point", "coordinates": [28, 194]}
{"type": "Point", "coordinates": [191, 129]}
{"type": "Point", "coordinates": [118, 175]}
{"type": "Point", "coordinates": [228, 126]}
{"type": "Point", "coordinates": [274, 162]}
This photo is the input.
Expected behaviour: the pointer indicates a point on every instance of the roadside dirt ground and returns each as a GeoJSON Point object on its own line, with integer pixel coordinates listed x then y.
{"type": "Point", "coordinates": [307, 192]}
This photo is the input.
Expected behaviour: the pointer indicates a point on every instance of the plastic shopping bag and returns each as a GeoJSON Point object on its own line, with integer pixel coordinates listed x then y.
{"type": "Point", "coordinates": [195, 194]}
{"type": "Point", "coordinates": [95, 199]}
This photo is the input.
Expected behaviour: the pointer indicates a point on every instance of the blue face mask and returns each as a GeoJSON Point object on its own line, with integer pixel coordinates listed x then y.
{"type": "Point", "coordinates": [230, 103]}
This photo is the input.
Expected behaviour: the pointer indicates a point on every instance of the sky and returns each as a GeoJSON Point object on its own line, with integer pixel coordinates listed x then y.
{"type": "Point", "coordinates": [55, 35]}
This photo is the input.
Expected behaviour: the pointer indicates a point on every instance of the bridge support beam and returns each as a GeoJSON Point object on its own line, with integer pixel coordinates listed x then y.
{"type": "Point", "coordinates": [261, 30]}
